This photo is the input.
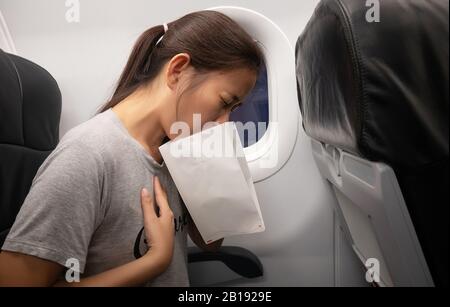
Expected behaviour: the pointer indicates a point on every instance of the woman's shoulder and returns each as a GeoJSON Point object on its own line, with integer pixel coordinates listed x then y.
{"type": "Point", "coordinates": [83, 144]}
{"type": "Point", "coordinates": [95, 136]}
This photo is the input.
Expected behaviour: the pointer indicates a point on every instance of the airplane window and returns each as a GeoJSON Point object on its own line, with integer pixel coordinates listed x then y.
{"type": "Point", "coordinates": [252, 118]}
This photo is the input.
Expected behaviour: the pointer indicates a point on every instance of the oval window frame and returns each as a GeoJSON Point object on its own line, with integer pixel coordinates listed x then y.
{"type": "Point", "coordinates": [271, 152]}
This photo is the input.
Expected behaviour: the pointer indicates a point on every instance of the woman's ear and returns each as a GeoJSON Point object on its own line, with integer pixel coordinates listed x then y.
{"type": "Point", "coordinates": [177, 65]}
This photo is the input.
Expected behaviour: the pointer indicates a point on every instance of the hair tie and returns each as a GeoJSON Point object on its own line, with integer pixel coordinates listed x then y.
{"type": "Point", "coordinates": [166, 28]}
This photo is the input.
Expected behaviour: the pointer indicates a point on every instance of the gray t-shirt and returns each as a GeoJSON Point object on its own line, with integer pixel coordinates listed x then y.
{"type": "Point", "coordinates": [84, 203]}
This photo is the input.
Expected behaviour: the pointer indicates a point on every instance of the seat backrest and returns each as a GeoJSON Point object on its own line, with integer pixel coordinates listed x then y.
{"type": "Point", "coordinates": [378, 89]}
{"type": "Point", "coordinates": [30, 110]}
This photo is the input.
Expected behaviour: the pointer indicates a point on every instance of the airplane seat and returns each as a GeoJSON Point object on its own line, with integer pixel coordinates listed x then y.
{"type": "Point", "coordinates": [30, 110]}
{"type": "Point", "coordinates": [373, 91]}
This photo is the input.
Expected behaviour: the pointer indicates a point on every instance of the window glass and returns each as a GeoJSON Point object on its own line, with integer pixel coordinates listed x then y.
{"type": "Point", "coordinates": [252, 118]}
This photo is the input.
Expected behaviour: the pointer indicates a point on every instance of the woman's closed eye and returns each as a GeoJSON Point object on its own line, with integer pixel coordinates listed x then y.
{"type": "Point", "coordinates": [232, 105]}
{"type": "Point", "coordinates": [224, 103]}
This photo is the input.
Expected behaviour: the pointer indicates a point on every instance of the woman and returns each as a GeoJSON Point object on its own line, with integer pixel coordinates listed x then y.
{"type": "Point", "coordinates": [91, 206]}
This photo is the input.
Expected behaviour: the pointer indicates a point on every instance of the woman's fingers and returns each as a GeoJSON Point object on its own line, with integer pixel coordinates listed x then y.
{"type": "Point", "coordinates": [147, 204]}
{"type": "Point", "coordinates": [150, 207]}
{"type": "Point", "coordinates": [161, 199]}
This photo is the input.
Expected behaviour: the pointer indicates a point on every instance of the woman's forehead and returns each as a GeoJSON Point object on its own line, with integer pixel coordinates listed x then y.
{"type": "Point", "coordinates": [235, 83]}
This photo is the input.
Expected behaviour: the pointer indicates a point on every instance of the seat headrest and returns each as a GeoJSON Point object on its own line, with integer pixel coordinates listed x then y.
{"type": "Point", "coordinates": [30, 104]}
{"type": "Point", "coordinates": [378, 89]}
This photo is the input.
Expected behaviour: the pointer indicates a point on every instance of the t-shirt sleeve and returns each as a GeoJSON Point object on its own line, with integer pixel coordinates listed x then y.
{"type": "Point", "coordinates": [62, 209]}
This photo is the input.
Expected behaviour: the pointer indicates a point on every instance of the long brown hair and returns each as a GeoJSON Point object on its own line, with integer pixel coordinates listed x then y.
{"type": "Point", "coordinates": [213, 40]}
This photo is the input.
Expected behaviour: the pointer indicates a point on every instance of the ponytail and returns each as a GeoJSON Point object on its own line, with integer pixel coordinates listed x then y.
{"type": "Point", "coordinates": [137, 67]}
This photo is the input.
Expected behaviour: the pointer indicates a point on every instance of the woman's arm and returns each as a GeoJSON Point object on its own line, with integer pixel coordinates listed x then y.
{"type": "Point", "coordinates": [28, 271]}
{"type": "Point", "coordinates": [135, 273]}
{"type": "Point", "coordinates": [23, 270]}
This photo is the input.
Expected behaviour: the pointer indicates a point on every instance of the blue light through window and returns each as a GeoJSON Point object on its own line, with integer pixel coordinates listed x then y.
{"type": "Point", "coordinates": [254, 110]}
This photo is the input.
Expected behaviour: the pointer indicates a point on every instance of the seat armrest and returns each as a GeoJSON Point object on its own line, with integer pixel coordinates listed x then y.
{"type": "Point", "coordinates": [237, 259]}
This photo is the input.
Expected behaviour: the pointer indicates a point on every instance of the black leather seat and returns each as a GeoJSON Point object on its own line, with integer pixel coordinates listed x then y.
{"type": "Point", "coordinates": [30, 110]}
{"type": "Point", "coordinates": [381, 91]}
